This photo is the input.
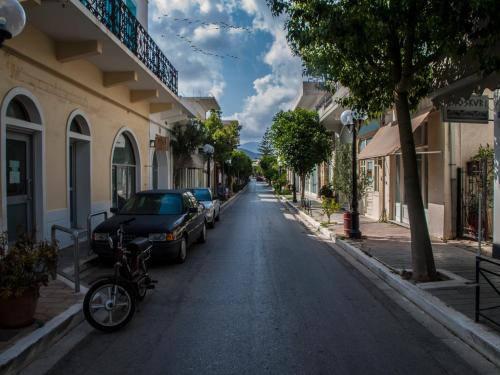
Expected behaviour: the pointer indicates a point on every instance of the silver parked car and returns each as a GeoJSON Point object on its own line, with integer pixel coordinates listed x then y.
{"type": "Point", "coordinates": [212, 206]}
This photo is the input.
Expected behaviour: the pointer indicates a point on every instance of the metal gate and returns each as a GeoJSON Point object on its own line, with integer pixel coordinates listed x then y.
{"type": "Point", "coordinates": [476, 192]}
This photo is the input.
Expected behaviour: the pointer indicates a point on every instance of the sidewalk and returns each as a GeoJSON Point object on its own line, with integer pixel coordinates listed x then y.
{"type": "Point", "coordinates": [390, 245]}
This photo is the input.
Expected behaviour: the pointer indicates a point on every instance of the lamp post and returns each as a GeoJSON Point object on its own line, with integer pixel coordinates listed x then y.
{"type": "Point", "coordinates": [351, 119]}
{"type": "Point", "coordinates": [209, 151]}
{"type": "Point", "coordinates": [12, 19]}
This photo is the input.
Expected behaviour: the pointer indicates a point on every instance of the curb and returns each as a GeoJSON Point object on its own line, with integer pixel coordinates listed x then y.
{"type": "Point", "coordinates": [29, 347]}
{"type": "Point", "coordinates": [484, 340]}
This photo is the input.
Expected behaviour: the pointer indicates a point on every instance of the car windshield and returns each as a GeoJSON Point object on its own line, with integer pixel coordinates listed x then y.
{"type": "Point", "coordinates": [202, 195]}
{"type": "Point", "coordinates": [153, 204]}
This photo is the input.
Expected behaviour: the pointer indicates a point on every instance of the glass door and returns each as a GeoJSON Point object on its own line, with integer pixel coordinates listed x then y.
{"type": "Point", "coordinates": [19, 186]}
{"type": "Point", "coordinates": [72, 184]}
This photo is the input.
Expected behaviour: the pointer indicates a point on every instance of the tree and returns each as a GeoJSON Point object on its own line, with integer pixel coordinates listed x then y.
{"type": "Point", "coordinates": [269, 166]}
{"type": "Point", "coordinates": [241, 166]}
{"type": "Point", "coordinates": [393, 53]}
{"type": "Point", "coordinates": [266, 146]}
{"type": "Point", "coordinates": [342, 170]}
{"type": "Point", "coordinates": [301, 141]}
{"type": "Point", "coordinates": [186, 138]}
{"type": "Point", "coordinates": [225, 137]}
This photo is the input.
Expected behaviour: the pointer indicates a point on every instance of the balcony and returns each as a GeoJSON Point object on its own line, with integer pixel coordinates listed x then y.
{"type": "Point", "coordinates": [115, 15]}
{"type": "Point", "coordinates": [107, 35]}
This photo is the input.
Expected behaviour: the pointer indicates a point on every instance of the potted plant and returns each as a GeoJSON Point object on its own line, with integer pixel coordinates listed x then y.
{"type": "Point", "coordinates": [24, 268]}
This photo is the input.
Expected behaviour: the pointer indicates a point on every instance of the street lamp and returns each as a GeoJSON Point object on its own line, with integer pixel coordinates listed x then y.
{"type": "Point", "coordinates": [351, 119]}
{"type": "Point", "coordinates": [209, 151]}
{"type": "Point", "coordinates": [12, 19]}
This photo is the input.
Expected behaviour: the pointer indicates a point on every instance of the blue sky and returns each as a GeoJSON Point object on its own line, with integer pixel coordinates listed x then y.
{"type": "Point", "coordinates": [264, 77]}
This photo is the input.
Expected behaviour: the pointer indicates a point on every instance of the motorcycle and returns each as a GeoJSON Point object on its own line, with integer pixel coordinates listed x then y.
{"type": "Point", "coordinates": [110, 302]}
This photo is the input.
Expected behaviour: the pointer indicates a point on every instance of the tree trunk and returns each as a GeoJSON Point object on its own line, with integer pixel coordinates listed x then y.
{"type": "Point", "coordinates": [302, 186]}
{"type": "Point", "coordinates": [424, 268]}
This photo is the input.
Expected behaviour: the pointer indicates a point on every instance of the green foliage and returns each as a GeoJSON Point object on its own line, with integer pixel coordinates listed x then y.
{"type": "Point", "coordinates": [241, 165]}
{"type": "Point", "coordinates": [329, 206]}
{"type": "Point", "coordinates": [326, 191]}
{"type": "Point", "coordinates": [186, 138]}
{"type": "Point", "coordinates": [485, 153]}
{"type": "Point", "coordinates": [266, 146]}
{"type": "Point", "coordinates": [379, 48]}
{"type": "Point", "coordinates": [342, 183]}
{"type": "Point", "coordinates": [300, 140]}
{"type": "Point", "coordinates": [224, 137]}
{"type": "Point", "coordinates": [279, 182]}
{"type": "Point", "coordinates": [26, 265]}
{"type": "Point", "coordinates": [269, 167]}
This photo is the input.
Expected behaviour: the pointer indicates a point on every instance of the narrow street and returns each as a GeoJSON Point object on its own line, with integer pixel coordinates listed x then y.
{"type": "Point", "coordinates": [263, 296]}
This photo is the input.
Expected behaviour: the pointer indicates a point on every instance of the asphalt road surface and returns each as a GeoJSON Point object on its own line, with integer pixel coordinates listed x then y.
{"type": "Point", "coordinates": [263, 296]}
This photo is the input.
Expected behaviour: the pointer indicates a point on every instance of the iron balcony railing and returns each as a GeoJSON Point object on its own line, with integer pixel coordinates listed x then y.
{"type": "Point", "coordinates": [117, 17]}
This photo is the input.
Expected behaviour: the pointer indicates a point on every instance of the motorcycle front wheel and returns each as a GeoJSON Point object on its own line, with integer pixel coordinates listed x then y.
{"type": "Point", "coordinates": [109, 304]}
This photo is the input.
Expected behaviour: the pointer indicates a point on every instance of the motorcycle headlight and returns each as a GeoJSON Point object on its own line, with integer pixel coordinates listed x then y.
{"type": "Point", "coordinates": [101, 236]}
{"type": "Point", "coordinates": [157, 237]}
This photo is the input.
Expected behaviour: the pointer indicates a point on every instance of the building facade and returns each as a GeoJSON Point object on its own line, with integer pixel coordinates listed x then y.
{"type": "Point", "coordinates": [77, 99]}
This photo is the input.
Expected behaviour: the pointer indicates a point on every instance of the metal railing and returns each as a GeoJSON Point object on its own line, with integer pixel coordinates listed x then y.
{"type": "Point", "coordinates": [489, 276]}
{"type": "Point", "coordinates": [75, 235]}
{"type": "Point", "coordinates": [117, 17]}
{"type": "Point", "coordinates": [89, 226]}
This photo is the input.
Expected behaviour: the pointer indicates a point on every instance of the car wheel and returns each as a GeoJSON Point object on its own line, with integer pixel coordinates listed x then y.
{"type": "Point", "coordinates": [181, 257]}
{"type": "Point", "coordinates": [211, 224]}
{"type": "Point", "coordinates": [203, 234]}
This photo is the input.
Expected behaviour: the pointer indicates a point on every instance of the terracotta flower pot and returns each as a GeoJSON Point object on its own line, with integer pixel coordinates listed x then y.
{"type": "Point", "coordinates": [16, 312]}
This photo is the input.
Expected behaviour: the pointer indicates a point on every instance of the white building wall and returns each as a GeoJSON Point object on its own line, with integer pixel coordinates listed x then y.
{"type": "Point", "coordinates": [142, 12]}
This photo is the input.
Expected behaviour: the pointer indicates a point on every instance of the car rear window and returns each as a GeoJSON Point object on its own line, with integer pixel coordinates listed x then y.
{"type": "Point", "coordinates": [202, 194]}
{"type": "Point", "coordinates": [153, 204]}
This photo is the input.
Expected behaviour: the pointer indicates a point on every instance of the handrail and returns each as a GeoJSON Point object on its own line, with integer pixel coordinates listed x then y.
{"type": "Point", "coordinates": [484, 272]}
{"type": "Point", "coordinates": [75, 234]}
{"type": "Point", "coordinates": [89, 225]}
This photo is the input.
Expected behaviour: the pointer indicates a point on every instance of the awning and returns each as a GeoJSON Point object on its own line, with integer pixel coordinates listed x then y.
{"type": "Point", "coordinates": [386, 140]}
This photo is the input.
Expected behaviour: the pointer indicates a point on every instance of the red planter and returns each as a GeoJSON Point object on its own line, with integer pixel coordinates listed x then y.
{"type": "Point", "coordinates": [16, 312]}
{"type": "Point", "coordinates": [347, 223]}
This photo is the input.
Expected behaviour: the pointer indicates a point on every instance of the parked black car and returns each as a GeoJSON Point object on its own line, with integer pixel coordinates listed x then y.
{"type": "Point", "coordinates": [171, 219]}
{"type": "Point", "coordinates": [212, 206]}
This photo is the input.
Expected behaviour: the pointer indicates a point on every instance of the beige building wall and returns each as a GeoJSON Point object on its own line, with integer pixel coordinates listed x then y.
{"type": "Point", "coordinates": [28, 61]}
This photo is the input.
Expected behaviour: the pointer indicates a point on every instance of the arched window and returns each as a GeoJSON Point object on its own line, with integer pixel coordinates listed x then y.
{"type": "Point", "coordinates": [17, 110]}
{"type": "Point", "coordinates": [123, 170]}
{"type": "Point", "coordinates": [23, 179]}
{"type": "Point", "coordinates": [79, 126]}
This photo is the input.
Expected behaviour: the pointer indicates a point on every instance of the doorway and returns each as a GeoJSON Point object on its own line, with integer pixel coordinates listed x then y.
{"type": "Point", "coordinates": [19, 178]}
{"type": "Point", "coordinates": [79, 174]}
{"type": "Point", "coordinates": [23, 203]}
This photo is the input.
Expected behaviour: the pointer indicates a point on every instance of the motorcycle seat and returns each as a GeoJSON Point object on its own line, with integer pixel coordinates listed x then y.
{"type": "Point", "coordinates": [138, 245]}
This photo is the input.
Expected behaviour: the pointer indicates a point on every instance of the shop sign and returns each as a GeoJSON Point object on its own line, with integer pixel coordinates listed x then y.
{"type": "Point", "coordinates": [473, 110]}
{"type": "Point", "coordinates": [161, 143]}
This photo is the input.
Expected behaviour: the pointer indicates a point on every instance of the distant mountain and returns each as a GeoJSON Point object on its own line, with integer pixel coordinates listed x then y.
{"type": "Point", "coordinates": [252, 155]}
{"type": "Point", "coordinates": [251, 146]}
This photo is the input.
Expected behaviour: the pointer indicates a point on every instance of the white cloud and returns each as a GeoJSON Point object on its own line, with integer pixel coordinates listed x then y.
{"type": "Point", "coordinates": [202, 75]}
{"type": "Point", "coordinates": [199, 74]}
{"type": "Point", "coordinates": [275, 91]}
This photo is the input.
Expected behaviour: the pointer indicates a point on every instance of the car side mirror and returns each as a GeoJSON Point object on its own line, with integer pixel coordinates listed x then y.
{"type": "Point", "coordinates": [113, 210]}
